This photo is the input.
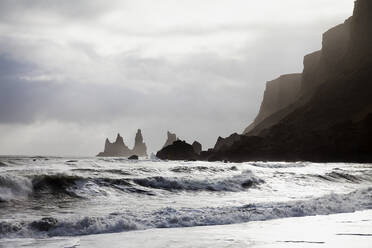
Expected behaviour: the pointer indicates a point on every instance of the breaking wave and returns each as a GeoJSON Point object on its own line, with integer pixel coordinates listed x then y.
{"type": "Point", "coordinates": [187, 217]}
{"type": "Point", "coordinates": [20, 188]}
{"type": "Point", "coordinates": [235, 183]}
{"type": "Point", "coordinates": [2, 164]}
{"type": "Point", "coordinates": [14, 188]}
{"type": "Point", "coordinates": [56, 185]}
{"type": "Point", "coordinates": [277, 165]}
{"type": "Point", "coordinates": [190, 169]}
{"type": "Point", "coordinates": [341, 176]}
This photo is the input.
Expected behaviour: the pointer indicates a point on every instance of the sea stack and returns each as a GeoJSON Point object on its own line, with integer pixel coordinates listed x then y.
{"type": "Point", "coordinates": [197, 147]}
{"type": "Point", "coordinates": [171, 138]}
{"type": "Point", "coordinates": [139, 148]}
{"type": "Point", "coordinates": [120, 149]}
{"type": "Point", "coordinates": [116, 149]}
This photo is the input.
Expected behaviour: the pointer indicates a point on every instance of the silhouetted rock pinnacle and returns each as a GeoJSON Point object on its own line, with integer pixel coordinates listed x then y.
{"type": "Point", "coordinates": [139, 148]}
{"type": "Point", "coordinates": [197, 147]}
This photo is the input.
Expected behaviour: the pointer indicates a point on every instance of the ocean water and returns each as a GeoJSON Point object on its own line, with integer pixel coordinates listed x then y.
{"type": "Point", "coordinates": [53, 197]}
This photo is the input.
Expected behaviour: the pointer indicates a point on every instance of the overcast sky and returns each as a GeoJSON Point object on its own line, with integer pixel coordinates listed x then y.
{"type": "Point", "coordinates": [75, 72]}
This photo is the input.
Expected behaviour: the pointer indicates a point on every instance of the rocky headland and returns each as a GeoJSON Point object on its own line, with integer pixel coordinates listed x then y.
{"type": "Point", "coordinates": [323, 114]}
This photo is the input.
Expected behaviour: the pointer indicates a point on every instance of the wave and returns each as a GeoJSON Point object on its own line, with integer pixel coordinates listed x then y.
{"type": "Point", "coordinates": [56, 184]}
{"type": "Point", "coordinates": [64, 185]}
{"type": "Point", "coordinates": [341, 176]}
{"type": "Point", "coordinates": [278, 165]}
{"type": "Point", "coordinates": [190, 169]}
{"type": "Point", "coordinates": [14, 188]}
{"type": "Point", "coordinates": [21, 188]}
{"type": "Point", "coordinates": [2, 164]}
{"type": "Point", "coordinates": [235, 183]}
{"type": "Point", "coordinates": [188, 217]}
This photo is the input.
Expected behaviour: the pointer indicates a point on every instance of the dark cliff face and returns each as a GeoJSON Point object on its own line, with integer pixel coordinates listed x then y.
{"type": "Point", "coordinates": [331, 119]}
{"type": "Point", "coordinates": [291, 91]}
{"type": "Point", "coordinates": [360, 49]}
{"type": "Point", "coordinates": [120, 149]}
{"type": "Point", "coordinates": [279, 93]}
{"type": "Point", "coordinates": [318, 66]}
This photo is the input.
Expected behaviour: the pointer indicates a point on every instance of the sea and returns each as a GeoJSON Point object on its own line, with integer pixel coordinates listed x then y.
{"type": "Point", "coordinates": [116, 202]}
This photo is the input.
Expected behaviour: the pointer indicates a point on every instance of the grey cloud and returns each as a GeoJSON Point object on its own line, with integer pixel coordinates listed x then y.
{"type": "Point", "coordinates": [19, 11]}
{"type": "Point", "coordinates": [200, 96]}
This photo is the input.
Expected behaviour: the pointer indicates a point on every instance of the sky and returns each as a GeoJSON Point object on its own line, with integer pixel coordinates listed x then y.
{"type": "Point", "coordinates": [75, 72]}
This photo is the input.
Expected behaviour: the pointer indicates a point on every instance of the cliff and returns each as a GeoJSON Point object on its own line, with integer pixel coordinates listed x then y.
{"type": "Point", "coordinates": [279, 93]}
{"type": "Point", "coordinates": [331, 118]}
{"type": "Point", "coordinates": [120, 149]}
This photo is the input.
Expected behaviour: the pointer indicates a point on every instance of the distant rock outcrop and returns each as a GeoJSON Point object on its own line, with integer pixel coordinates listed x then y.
{"type": "Point", "coordinates": [179, 150]}
{"type": "Point", "coordinates": [120, 149]}
{"type": "Point", "coordinates": [116, 149]}
{"type": "Point", "coordinates": [171, 137]}
{"type": "Point", "coordinates": [139, 148]}
{"type": "Point", "coordinates": [197, 147]}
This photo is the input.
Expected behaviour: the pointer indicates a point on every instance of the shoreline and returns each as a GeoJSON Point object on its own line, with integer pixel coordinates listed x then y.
{"type": "Point", "coordinates": [337, 230]}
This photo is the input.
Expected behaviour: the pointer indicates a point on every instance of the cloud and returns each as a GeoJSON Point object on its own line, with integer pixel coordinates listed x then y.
{"type": "Point", "coordinates": [84, 70]}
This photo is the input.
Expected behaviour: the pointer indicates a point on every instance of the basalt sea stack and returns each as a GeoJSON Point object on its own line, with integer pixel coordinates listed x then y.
{"type": "Point", "coordinates": [120, 149]}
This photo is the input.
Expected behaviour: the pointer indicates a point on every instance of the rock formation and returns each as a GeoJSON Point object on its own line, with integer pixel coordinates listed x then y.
{"type": "Point", "coordinates": [139, 148]}
{"type": "Point", "coordinates": [224, 143]}
{"type": "Point", "coordinates": [171, 137]}
{"type": "Point", "coordinates": [331, 118]}
{"type": "Point", "coordinates": [197, 147]}
{"type": "Point", "coordinates": [179, 150]}
{"type": "Point", "coordinates": [133, 157]}
{"type": "Point", "coordinates": [120, 149]}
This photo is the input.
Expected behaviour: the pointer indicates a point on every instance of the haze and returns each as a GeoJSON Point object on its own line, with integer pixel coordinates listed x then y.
{"type": "Point", "coordinates": [75, 72]}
